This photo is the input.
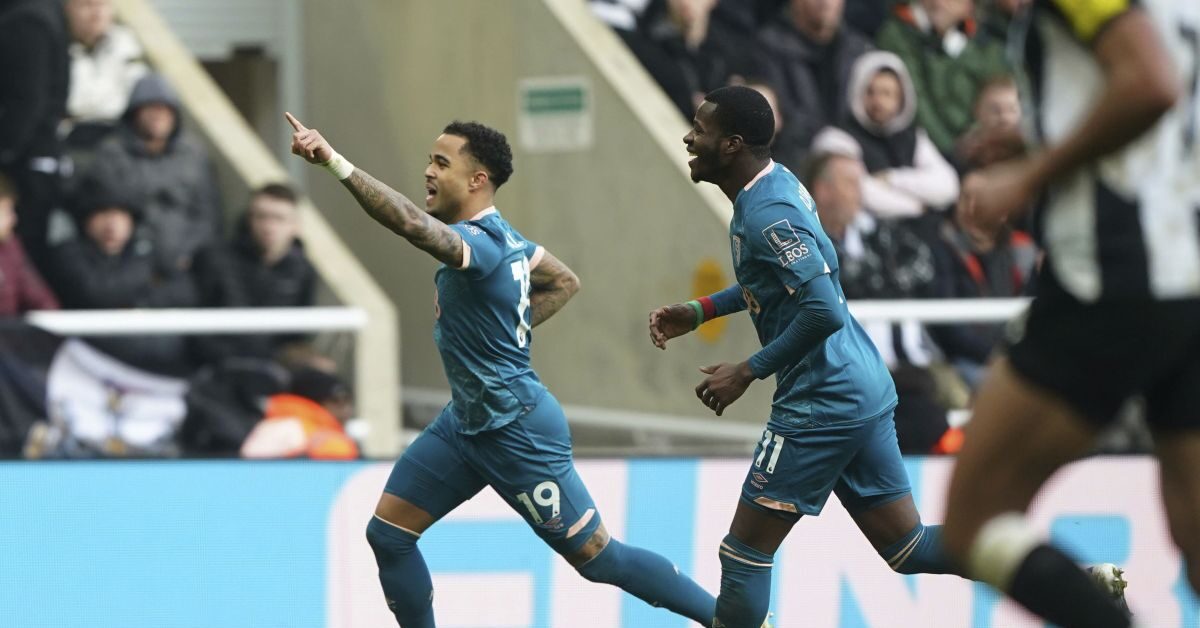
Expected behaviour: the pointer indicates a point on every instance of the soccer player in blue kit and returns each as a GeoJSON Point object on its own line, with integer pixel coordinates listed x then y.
{"type": "Point", "coordinates": [831, 428]}
{"type": "Point", "coordinates": [502, 428]}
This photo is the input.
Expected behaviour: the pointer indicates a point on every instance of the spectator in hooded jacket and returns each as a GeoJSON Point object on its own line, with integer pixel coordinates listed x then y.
{"type": "Point", "coordinates": [165, 171]}
{"type": "Point", "coordinates": [106, 62]}
{"type": "Point", "coordinates": [33, 96]}
{"type": "Point", "coordinates": [116, 396]}
{"type": "Point", "coordinates": [21, 287]}
{"type": "Point", "coordinates": [265, 267]}
{"type": "Point", "coordinates": [908, 174]}
{"type": "Point", "coordinates": [806, 54]}
{"type": "Point", "coordinates": [109, 267]}
{"type": "Point", "coordinates": [935, 39]}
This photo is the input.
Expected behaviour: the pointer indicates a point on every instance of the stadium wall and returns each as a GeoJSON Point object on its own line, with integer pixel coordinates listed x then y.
{"type": "Point", "coordinates": [382, 79]}
{"type": "Point", "coordinates": [200, 544]}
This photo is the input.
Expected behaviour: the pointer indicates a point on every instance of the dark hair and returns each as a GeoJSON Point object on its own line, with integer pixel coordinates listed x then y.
{"type": "Point", "coordinates": [281, 191]}
{"type": "Point", "coordinates": [743, 111]}
{"type": "Point", "coordinates": [488, 146]}
{"type": "Point", "coordinates": [8, 189]}
{"type": "Point", "coordinates": [317, 385]}
{"type": "Point", "coordinates": [94, 194]}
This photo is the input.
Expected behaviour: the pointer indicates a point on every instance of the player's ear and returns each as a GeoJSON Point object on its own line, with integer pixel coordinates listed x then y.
{"type": "Point", "coordinates": [479, 179]}
{"type": "Point", "coordinates": [734, 143]}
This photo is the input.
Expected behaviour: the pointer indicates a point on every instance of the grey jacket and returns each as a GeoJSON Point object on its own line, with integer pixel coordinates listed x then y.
{"type": "Point", "coordinates": [177, 190]}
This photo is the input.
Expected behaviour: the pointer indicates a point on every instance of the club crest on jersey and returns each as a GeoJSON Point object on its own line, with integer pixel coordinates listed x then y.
{"type": "Point", "coordinates": [473, 230]}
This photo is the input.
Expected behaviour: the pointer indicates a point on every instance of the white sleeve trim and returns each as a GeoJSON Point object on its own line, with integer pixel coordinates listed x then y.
{"type": "Point", "coordinates": [466, 260]}
{"type": "Point", "coordinates": [538, 254]}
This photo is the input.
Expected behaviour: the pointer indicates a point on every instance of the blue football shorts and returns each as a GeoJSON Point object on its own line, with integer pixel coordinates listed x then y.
{"type": "Point", "coordinates": [528, 463]}
{"type": "Point", "coordinates": [860, 461]}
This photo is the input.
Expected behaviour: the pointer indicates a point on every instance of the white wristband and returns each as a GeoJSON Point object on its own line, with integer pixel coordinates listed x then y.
{"type": "Point", "coordinates": [339, 166]}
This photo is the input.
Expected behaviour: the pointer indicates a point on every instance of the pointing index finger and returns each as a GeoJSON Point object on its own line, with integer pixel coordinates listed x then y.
{"type": "Point", "coordinates": [294, 122]}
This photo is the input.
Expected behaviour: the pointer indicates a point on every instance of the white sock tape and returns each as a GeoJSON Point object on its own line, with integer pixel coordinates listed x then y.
{"type": "Point", "coordinates": [339, 166]}
{"type": "Point", "coordinates": [1001, 547]}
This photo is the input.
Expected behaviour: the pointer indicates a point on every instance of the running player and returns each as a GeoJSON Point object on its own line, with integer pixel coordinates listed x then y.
{"type": "Point", "coordinates": [502, 427]}
{"type": "Point", "coordinates": [831, 427]}
{"type": "Point", "coordinates": [1117, 312]}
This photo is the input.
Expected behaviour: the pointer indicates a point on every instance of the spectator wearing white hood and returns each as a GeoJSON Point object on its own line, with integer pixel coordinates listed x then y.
{"type": "Point", "coordinates": [908, 175]}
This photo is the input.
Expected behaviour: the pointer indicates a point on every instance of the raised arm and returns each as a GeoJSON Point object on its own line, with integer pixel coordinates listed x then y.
{"type": "Point", "coordinates": [551, 285]}
{"type": "Point", "coordinates": [387, 206]}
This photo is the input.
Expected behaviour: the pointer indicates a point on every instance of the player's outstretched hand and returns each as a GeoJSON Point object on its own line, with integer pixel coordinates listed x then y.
{"type": "Point", "coordinates": [308, 143]}
{"type": "Point", "coordinates": [671, 321]}
{"type": "Point", "coordinates": [724, 385]}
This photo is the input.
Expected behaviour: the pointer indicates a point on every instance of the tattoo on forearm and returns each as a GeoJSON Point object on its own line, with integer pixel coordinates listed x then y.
{"type": "Point", "coordinates": [552, 285]}
{"type": "Point", "coordinates": [546, 303]}
{"type": "Point", "coordinates": [394, 211]}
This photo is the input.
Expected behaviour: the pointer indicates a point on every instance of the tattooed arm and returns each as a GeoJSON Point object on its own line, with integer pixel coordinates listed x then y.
{"type": "Point", "coordinates": [551, 285]}
{"type": "Point", "coordinates": [387, 206]}
{"type": "Point", "coordinates": [394, 211]}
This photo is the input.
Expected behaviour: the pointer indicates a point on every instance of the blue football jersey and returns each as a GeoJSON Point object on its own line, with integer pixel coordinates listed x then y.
{"type": "Point", "coordinates": [482, 326]}
{"type": "Point", "coordinates": [778, 246]}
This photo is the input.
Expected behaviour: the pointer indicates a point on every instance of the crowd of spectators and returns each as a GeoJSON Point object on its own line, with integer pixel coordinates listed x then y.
{"type": "Point", "coordinates": [881, 107]}
{"type": "Point", "coordinates": [107, 201]}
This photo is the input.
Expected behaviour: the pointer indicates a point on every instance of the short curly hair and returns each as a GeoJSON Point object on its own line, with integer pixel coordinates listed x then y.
{"type": "Point", "coordinates": [743, 111]}
{"type": "Point", "coordinates": [488, 146]}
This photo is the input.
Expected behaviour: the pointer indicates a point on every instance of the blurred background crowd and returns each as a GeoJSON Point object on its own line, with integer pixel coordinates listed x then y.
{"type": "Point", "coordinates": [107, 200]}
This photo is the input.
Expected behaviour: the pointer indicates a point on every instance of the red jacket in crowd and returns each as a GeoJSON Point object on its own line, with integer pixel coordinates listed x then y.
{"type": "Point", "coordinates": [21, 287]}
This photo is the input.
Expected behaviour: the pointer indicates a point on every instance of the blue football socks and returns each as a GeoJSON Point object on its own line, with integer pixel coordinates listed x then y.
{"type": "Point", "coordinates": [407, 585]}
{"type": "Point", "coordinates": [745, 586]}
{"type": "Point", "coordinates": [651, 578]}
{"type": "Point", "coordinates": [920, 551]}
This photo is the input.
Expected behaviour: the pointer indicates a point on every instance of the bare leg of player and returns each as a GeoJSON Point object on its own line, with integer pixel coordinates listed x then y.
{"type": "Point", "coordinates": [747, 555]}
{"type": "Point", "coordinates": [1179, 458]}
{"type": "Point", "coordinates": [1018, 436]}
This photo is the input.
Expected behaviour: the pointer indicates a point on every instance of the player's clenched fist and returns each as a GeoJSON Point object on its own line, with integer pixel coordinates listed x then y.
{"type": "Point", "coordinates": [671, 321]}
{"type": "Point", "coordinates": [308, 143]}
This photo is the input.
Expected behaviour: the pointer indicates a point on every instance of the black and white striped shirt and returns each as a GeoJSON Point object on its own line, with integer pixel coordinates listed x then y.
{"type": "Point", "coordinates": [1128, 225]}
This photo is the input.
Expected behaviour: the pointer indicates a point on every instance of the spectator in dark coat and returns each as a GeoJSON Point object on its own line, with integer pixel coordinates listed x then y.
{"type": "Point", "coordinates": [265, 267]}
{"type": "Point", "coordinates": [21, 287]}
{"type": "Point", "coordinates": [806, 54]}
{"type": "Point", "coordinates": [107, 267]}
{"type": "Point", "coordinates": [971, 264]}
{"type": "Point", "coordinates": [689, 49]}
{"type": "Point", "coordinates": [165, 171]}
{"type": "Point", "coordinates": [33, 99]}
